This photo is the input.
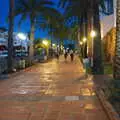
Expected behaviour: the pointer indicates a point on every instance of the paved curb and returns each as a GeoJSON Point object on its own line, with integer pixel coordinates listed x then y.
{"type": "Point", "coordinates": [22, 70]}
{"type": "Point", "coordinates": [112, 114]}
{"type": "Point", "coordinates": [14, 74]}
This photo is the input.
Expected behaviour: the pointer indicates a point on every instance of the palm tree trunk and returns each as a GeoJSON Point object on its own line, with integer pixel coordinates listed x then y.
{"type": "Point", "coordinates": [117, 45]}
{"type": "Point", "coordinates": [83, 33]}
{"type": "Point", "coordinates": [89, 43]}
{"type": "Point", "coordinates": [97, 47]}
{"type": "Point", "coordinates": [31, 49]}
{"type": "Point", "coordinates": [10, 36]}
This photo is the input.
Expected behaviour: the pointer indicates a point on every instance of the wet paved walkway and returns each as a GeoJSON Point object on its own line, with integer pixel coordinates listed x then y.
{"type": "Point", "coordinates": [56, 90]}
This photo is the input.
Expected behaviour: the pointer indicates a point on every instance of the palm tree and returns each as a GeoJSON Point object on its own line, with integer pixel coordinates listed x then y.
{"type": "Point", "coordinates": [59, 34]}
{"type": "Point", "coordinates": [84, 9]}
{"type": "Point", "coordinates": [70, 11]}
{"type": "Point", "coordinates": [97, 47]}
{"type": "Point", "coordinates": [51, 24]}
{"type": "Point", "coordinates": [32, 9]}
{"type": "Point", "coordinates": [54, 25]}
{"type": "Point", "coordinates": [10, 36]}
{"type": "Point", "coordinates": [117, 48]}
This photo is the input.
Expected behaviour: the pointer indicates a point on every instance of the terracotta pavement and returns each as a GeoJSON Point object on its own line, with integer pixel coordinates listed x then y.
{"type": "Point", "coordinates": [56, 90]}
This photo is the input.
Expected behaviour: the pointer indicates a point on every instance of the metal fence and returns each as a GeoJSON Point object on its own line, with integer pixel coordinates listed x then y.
{"type": "Point", "coordinates": [3, 64]}
{"type": "Point", "coordinates": [16, 63]}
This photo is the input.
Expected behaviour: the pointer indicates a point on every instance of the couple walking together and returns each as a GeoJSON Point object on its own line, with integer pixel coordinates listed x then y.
{"type": "Point", "coordinates": [71, 55]}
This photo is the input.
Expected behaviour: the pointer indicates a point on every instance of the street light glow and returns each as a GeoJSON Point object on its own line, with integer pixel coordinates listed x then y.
{"type": "Point", "coordinates": [81, 43]}
{"type": "Point", "coordinates": [53, 45]}
{"type": "Point", "coordinates": [93, 34]}
{"type": "Point", "coordinates": [45, 42]}
{"type": "Point", "coordinates": [21, 36]}
{"type": "Point", "coordinates": [84, 39]}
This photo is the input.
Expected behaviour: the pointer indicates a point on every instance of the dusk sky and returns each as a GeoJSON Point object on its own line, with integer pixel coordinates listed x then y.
{"type": "Point", "coordinates": [25, 27]}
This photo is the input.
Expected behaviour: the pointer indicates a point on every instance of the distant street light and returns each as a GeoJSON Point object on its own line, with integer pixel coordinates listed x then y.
{"type": "Point", "coordinates": [81, 43]}
{"type": "Point", "coordinates": [46, 45]}
{"type": "Point", "coordinates": [53, 45]}
{"type": "Point", "coordinates": [84, 39]}
{"type": "Point", "coordinates": [21, 36]}
{"type": "Point", "coordinates": [93, 34]}
{"type": "Point", "coordinates": [45, 42]}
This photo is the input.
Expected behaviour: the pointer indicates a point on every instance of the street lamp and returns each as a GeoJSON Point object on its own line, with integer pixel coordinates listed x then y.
{"type": "Point", "coordinates": [21, 37]}
{"type": "Point", "coordinates": [53, 45]}
{"type": "Point", "coordinates": [81, 43]}
{"type": "Point", "coordinates": [45, 42]}
{"type": "Point", "coordinates": [93, 34]}
{"type": "Point", "coordinates": [84, 39]}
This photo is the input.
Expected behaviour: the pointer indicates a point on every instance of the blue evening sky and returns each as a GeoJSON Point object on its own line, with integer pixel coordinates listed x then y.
{"type": "Point", "coordinates": [25, 27]}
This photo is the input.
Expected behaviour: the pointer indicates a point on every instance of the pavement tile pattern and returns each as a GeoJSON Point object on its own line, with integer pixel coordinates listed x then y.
{"type": "Point", "coordinates": [56, 90]}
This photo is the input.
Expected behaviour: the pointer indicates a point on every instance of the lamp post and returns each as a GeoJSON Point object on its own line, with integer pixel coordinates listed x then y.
{"type": "Point", "coordinates": [93, 35]}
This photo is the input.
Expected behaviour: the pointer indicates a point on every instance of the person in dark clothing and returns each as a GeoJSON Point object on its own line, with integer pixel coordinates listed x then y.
{"type": "Point", "coordinates": [72, 55]}
{"type": "Point", "coordinates": [57, 55]}
{"type": "Point", "coordinates": [65, 55]}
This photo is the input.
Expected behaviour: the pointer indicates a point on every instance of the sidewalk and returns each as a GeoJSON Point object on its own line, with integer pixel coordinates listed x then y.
{"type": "Point", "coordinates": [57, 90]}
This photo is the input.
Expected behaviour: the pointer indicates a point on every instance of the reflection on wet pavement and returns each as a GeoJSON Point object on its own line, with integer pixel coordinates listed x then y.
{"type": "Point", "coordinates": [56, 90]}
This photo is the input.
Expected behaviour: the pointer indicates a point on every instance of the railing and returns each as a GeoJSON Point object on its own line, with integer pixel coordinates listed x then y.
{"type": "Point", "coordinates": [16, 62]}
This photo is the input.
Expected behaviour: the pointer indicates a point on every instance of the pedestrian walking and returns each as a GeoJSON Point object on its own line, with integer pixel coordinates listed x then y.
{"type": "Point", "coordinates": [71, 55]}
{"type": "Point", "coordinates": [65, 54]}
{"type": "Point", "coordinates": [57, 55]}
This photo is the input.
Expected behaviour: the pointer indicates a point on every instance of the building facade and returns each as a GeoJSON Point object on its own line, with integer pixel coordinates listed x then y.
{"type": "Point", "coordinates": [108, 32]}
{"type": "Point", "coordinates": [18, 43]}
